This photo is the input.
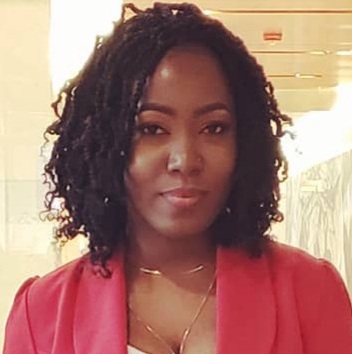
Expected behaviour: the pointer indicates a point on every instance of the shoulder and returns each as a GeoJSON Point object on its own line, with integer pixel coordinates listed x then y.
{"type": "Point", "coordinates": [39, 303]}
{"type": "Point", "coordinates": [44, 304]}
{"type": "Point", "coordinates": [59, 288]}
{"type": "Point", "coordinates": [43, 295]}
{"type": "Point", "coordinates": [314, 283]}
{"type": "Point", "coordinates": [280, 260]}
{"type": "Point", "coordinates": [285, 258]}
{"type": "Point", "coordinates": [299, 267]}
{"type": "Point", "coordinates": [61, 279]}
{"type": "Point", "coordinates": [295, 261]}
{"type": "Point", "coordinates": [65, 281]}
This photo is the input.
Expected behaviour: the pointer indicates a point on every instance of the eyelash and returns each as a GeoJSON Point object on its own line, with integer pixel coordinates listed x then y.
{"type": "Point", "coordinates": [150, 129]}
{"type": "Point", "coordinates": [215, 128]}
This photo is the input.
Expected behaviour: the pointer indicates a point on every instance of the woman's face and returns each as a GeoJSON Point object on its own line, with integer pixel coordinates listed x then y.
{"type": "Point", "coordinates": [183, 150]}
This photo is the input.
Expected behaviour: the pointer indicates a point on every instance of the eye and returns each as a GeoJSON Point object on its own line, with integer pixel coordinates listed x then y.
{"type": "Point", "coordinates": [150, 129]}
{"type": "Point", "coordinates": [216, 128]}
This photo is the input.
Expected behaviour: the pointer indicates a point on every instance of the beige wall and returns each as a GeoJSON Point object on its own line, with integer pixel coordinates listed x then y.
{"type": "Point", "coordinates": [25, 97]}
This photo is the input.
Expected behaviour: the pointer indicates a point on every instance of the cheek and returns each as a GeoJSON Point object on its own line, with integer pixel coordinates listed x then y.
{"type": "Point", "coordinates": [223, 160]}
{"type": "Point", "coordinates": [144, 166]}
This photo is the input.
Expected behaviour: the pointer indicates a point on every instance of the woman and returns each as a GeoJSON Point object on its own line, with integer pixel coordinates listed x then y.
{"type": "Point", "coordinates": [168, 160]}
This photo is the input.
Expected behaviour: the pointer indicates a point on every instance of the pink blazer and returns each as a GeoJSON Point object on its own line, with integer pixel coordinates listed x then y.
{"type": "Point", "coordinates": [285, 302]}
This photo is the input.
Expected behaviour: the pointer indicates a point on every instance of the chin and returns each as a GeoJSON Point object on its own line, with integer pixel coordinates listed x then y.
{"type": "Point", "coordinates": [180, 231]}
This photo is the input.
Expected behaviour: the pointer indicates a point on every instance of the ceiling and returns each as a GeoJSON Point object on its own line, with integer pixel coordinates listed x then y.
{"type": "Point", "coordinates": [314, 54]}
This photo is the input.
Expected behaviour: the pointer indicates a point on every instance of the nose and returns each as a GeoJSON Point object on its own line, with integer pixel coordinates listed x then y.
{"type": "Point", "coordinates": [185, 157]}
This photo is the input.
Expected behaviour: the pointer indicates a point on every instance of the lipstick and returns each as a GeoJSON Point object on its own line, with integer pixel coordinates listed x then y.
{"type": "Point", "coordinates": [183, 197]}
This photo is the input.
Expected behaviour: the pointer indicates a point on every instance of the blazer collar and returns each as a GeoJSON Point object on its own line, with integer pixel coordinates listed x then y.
{"type": "Point", "coordinates": [246, 313]}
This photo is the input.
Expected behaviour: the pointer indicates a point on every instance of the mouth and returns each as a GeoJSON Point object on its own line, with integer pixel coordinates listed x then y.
{"type": "Point", "coordinates": [183, 197]}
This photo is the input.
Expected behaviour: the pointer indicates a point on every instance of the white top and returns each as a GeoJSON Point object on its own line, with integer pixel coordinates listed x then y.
{"type": "Point", "coordinates": [132, 350]}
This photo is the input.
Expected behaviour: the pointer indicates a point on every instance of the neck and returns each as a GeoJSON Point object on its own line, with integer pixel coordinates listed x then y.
{"type": "Point", "coordinates": [176, 254]}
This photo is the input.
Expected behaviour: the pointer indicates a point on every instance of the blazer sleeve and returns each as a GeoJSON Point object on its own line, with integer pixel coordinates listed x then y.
{"type": "Point", "coordinates": [18, 333]}
{"type": "Point", "coordinates": [331, 330]}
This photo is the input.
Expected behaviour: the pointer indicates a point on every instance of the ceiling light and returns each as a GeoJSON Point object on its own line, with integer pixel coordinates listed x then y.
{"type": "Point", "coordinates": [306, 76]}
{"type": "Point", "coordinates": [208, 12]}
{"type": "Point", "coordinates": [347, 52]}
{"type": "Point", "coordinates": [319, 52]}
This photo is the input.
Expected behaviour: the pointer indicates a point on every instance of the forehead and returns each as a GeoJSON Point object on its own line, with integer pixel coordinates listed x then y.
{"type": "Point", "coordinates": [189, 57]}
{"type": "Point", "coordinates": [186, 72]}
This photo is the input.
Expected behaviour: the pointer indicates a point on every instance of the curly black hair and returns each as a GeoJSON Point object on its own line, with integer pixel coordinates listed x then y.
{"type": "Point", "coordinates": [96, 123]}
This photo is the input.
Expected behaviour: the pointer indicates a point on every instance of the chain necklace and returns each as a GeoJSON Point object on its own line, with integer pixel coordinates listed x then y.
{"type": "Point", "coordinates": [157, 272]}
{"type": "Point", "coordinates": [188, 329]}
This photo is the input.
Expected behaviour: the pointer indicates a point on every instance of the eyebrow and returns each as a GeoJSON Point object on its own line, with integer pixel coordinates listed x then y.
{"type": "Point", "coordinates": [212, 107]}
{"type": "Point", "coordinates": [156, 107]}
{"type": "Point", "coordinates": [198, 112]}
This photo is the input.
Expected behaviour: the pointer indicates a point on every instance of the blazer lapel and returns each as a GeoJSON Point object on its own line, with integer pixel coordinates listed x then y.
{"type": "Point", "coordinates": [246, 312]}
{"type": "Point", "coordinates": [101, 327]}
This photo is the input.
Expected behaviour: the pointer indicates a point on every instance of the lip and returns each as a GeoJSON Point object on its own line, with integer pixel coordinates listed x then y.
{"type": "Point", "coordinates": [183, 197]}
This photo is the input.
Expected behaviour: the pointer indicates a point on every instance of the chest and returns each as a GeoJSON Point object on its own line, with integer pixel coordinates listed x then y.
{"type": "Point", "coordinates": [167, 319]}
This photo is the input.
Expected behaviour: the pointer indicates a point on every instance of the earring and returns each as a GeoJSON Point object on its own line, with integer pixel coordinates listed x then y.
{"type": "Point", "coordinates": [228, 210]}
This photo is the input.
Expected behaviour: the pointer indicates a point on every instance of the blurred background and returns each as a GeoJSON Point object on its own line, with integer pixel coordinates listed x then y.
{"type": "Point", "coordinates": [306, 50]}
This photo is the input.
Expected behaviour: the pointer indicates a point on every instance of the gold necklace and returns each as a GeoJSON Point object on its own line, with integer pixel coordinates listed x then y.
{"type": "Point", "coordinates": [188, 329]}
{"type": "Point", "coordinates": [157, 272]}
